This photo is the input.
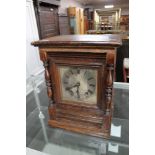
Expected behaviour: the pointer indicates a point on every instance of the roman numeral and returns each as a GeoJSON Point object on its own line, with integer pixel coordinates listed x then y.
{"type": "Point", "coordinates": [67, 76]}
{"type": "Point", "coordinates": [92, 85]}
{"type": "Point", "coordinates": [90, 91]}
{"type": "Point", "coordinates": [71, 92]}
{"type": "Point", "coordinates": [67, 88]}
{"type": "Point", "coordinates": [90, 78]}
{"type": "Point", "coordinates": [71, 71]}
{"type": "Point", "coordinates": [86, 93]}
{"type": "Point", "coordinates": [85, 73]}
{"type": "Point", "coordinates": [78, 71]}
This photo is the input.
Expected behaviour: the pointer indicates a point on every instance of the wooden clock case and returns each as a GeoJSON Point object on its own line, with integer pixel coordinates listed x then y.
{"type": "Point", "coordinates": [90, 51]}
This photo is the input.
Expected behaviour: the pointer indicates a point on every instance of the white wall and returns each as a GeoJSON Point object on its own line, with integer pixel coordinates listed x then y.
{"type": "Point", "coordinates": [64, 4]}
{"type": "Point", "coordinates": [33, 63]}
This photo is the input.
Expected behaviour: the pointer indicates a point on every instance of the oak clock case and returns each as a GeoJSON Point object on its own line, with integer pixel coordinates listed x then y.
{"type": "Point", "coordinates": [79, 81]}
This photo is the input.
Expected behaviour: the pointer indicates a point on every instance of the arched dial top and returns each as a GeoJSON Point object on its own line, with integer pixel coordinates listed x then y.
{"type": "Point", "coordinates": [79, 84]}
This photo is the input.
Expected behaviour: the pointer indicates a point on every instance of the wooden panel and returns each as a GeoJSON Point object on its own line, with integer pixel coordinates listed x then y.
{"type": "Point", "coordinates": [48, 21]}
{"type": "Point", "coordinates": [54, 2]}
{"type": "Point", "coordinates": [72, 11]}
{"type": "Point", "coordinates": [81, 127]}
{"type": "Point", "coordinates": [81, 21]}
{"type": "Point", "coordinates": [85, 24]}
{"type": "Point", "coordinates": [124, 22]}
{"type": "Point", "coordinates": [64, 25]}
{"type": "Point", "coordinates": [90, 18]}
{"type": "Point", "coordinates": [76, 19]}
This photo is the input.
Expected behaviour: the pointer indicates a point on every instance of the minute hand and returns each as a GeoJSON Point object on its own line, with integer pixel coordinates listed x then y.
{"type": "Point", "coordinates": [78, 94]}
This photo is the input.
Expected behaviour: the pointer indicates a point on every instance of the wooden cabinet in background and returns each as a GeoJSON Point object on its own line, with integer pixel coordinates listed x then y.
{"type": "Point", "coordinates": [81, 21]}
{"type": "Point", "coordinates": [47, 18]}
{"type": "Point", "coordinates": [72, 11]}
{"type": "Point", "coordinates": [76, 20]}
{"type": "Point", "coordinates": [64, 25]}
{"type": "Point", "coordinates": [86, 26]}
{"type": "Point", "coordinates": [89, 18]}
{"type": "Point", "coordinates": [124, 22]}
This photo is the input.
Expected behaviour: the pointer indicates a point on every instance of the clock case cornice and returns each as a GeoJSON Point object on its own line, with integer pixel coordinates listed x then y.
{"type": "Point", "coordinates": [107, 40]}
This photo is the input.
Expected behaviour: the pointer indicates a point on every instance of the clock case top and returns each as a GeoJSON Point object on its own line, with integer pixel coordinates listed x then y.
{"type": "Point", "coordinates": [94, 51]}
{"type": "Point", "coordinates": [111, 40]}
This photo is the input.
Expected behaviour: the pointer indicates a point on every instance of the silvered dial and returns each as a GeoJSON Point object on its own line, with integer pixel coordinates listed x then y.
{"type": "Point", "coordinates": [79, 84]}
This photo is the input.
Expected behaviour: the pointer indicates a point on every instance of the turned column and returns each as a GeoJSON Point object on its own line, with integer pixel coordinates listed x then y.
{"type": "Point", "coordinates": [109, 87]}
{"type": "Point", "coordinates": [44, 58]}
{"type": "Point", "coordinates": [108, 90]}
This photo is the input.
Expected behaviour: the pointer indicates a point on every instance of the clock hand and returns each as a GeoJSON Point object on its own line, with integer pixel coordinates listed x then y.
{"type": "Point", "coordinates": [76, 85]}
{"type": "Point", "coordinates": [78, 94]}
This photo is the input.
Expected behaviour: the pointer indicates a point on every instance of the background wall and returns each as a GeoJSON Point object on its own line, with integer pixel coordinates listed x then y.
{"type": "Point", "coordinates": [64, 4]}
{"type": "Point", "coordinates": [33, 64]}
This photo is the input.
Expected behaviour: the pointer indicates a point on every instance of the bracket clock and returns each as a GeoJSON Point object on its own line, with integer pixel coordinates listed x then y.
{"type": "Point", "coordinates": [79, 73]}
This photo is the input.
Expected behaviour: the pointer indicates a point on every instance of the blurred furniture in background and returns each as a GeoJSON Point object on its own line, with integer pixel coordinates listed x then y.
{"type": "Point", "coordinates": [76, 20]}
{"type": "Point", "coordinates": [107, 19]}
{"type": "Point", "coordinates": [89, 18]}
{"type": "Point", "coordinates": [107, 31]}
{"type": "Point", "coordinates": [86, 25]}
{"type": "Point", "coordinates": [122, 52]}
{"type": "Point", "coordinates": [124, 22]}
{"type": "Point", "coordinates": [64, 25]}
{"type": "Point", "coordinates": [47, 18]}
{"type": "Point", "coordinates": [126, 69]}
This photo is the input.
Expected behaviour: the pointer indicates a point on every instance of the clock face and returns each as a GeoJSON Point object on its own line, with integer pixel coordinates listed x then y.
{"type": "Point", "coordinates": [78, 84]}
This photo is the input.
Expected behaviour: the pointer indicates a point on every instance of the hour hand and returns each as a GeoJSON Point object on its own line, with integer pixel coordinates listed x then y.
{"type": "Point", "coordinates": [78, 94]}
{"type": "Point", "coordinates": [76, 85]}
